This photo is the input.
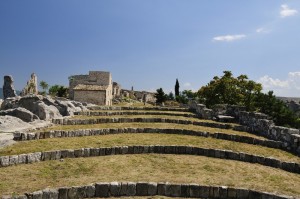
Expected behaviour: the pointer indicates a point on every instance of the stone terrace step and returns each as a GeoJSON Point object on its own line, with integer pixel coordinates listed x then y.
{"type": "Point", "coordinates": [147, 149]}
{"type": "Point", "coordinates": [118, 189]}
{"type": "Point", "coordinates": [111, 113]}
{"type": "Point", "coordinates": [70, 121]}
{"type": "Point", "coordinates": [139, 108]}
{"type": "Point", "coordinates": [18, 136]}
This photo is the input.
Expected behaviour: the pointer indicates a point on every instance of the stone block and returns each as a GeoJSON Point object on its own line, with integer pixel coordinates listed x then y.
{"type": "Point", "coordinates": [161, 189]}
{"type": "Point", "coordinates": [50, 194]}
{"type": "Point", "coordinates": [141, 189]}
{"type": "Point", "coordinates": [102, 151]}
{"type": "Point", "coordinates": [124, 150]}
{"type": "Point", "coordinates": [223, 191]}
{"type": "Point", "coordinates": [34, 157]}
{"type": "Point", "coordinates": [173, 190]}
{"type": "Point", "coordinates": [242, 193]}
{"type": "Point", "coordinates": [22, 159]}
{"type": "Point", "coordinates": [46, 155]}
{"type": "Point", "coordinates": [13, 159]}
{"type": "Point", "coordinates": [63, 193]}
{"type": "Point", "coordinates": [86, 152]}
{"type": "Point", "coordinates": [70, 153]}
{"type": "Point", "coordinates": [231, 193]}
{"type": "Point", "coordinates": [185, 190]}
{"type": "Point", "coordinates": [94, 152]}
{"type": "Point", "coordinates": [37, 195]}
{"type": "Point", "coordinates": [152, 188]}
{"type": "Point", "coordinates": [267, 196]}
{"type": "Point", "coordinates": [204, 191]}
{"type": "Point", "coordinates": [254, 195]}
{"type": "Point", "coordinates": [79, 153]}
{"type": "Point", "coordinates": [131, 189]}
{"type": "Point", "coordinates": [115, 188]}
{"type": "Point", "coordinates": [194, 191]}
{"type": "Point", "coordinates": [89, 191]}
{"type": "Point", "coordinates": [64, 154]}
{"type": "Point", "coordinates": [123, 191]}
{"type": "Point", "coordinates": [102, 189]}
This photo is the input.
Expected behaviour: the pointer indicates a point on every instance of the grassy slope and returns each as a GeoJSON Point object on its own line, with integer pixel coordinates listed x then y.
{"type": "Point", "coordinates": [143, 139]}
{"type": "Point", "coordinates": [153, 167]}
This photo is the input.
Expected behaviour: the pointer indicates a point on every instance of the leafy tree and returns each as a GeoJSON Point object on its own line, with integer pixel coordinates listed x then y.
{"type": "Point", "coordinates": [230, 90]}
{"type": "Point", "coordinates": [160, 96]}
{"type": "Point", "coordinates": [171, 96]}
{"type": "Point", "coordinates": [58, 90]}
{"type": "Point", "coordinates": [44, 85]}
{"type": "Point", "coordinates": [177, 88]}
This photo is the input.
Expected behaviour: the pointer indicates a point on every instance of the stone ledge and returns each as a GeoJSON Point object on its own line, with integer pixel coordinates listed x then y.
{"type": "Point", "coordinates": [139, 108]}
{"type": "Point", "coordinates": [68, 121]}
{"type": "Point", "coordinates": [141, 149]}
{"type": "Point", "coordinates": [93, 132]}
{"type": "Point", "coordinates": [93, 113]}
{"type": "Point", "coordinates": [117, 189]}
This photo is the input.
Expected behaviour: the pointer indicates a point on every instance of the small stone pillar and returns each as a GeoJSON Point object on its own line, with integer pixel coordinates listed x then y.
{"type": "Point", "coordinates": [8, 87]}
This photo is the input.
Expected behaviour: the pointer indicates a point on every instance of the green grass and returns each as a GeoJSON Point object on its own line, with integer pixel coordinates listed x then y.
{"type": "Point", "coordinates": [147, 167]}
{"type": "Point", "coordinates": [143, 139]}
{"type": "Point", "coordinates": [151, 125]}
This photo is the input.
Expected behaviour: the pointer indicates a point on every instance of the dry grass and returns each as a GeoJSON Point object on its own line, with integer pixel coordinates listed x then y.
{"type": "Point", "coordinates": [151, 125]}
{"type": "Point", "coordinates": [143, 111]}
{"type": "Point", "coordinates": [143, 139]}
{"type": "Point", "coordinates": [150, 167]}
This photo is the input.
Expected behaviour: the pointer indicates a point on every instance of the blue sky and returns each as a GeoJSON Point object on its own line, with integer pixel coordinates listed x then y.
{"type": "Point", "coordinates": [148, 44]}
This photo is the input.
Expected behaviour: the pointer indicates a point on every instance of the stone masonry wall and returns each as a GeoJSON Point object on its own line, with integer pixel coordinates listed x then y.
{"type": "Point", "coordinates": [131, 189]}
{"type": "Point", "coordinates": [256, 123]}
{"type": "Point", "coordinates": [29, 158]}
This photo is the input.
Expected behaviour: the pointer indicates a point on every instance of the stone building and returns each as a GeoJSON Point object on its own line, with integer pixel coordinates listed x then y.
{"type": "Point", "coordinates": [116, 89]}
{"type": "Point", "coordinates": [96, 88]}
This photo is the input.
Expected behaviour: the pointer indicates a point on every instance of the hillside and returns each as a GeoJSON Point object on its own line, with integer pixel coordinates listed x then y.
{"type": "Point", "coordinates": [146, 151]}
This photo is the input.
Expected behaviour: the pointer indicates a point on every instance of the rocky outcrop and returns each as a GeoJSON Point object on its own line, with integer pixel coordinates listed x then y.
{"type": "Point", "coordinates": [8, 87]}
{"type": "Point", "coordinates": [20, 113]}
{"type": "Point", "coordinates": [10, 124]}
{"type": "Point", "coordinates": [31, 86]}
{"type": "Point", "coordinates": [31, 107]}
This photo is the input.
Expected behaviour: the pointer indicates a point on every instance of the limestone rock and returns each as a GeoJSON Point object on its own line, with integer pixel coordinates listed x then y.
{"type": "Point", "coordinates": [8, 87]}
{"type": "Point", "coordinates": [21, 113]}
{"type": "Point", "coordinates": [46, 112]}
{"type": "Point", "coordinates": [10, 124]}
{"type": "Point", "coordinates": [1, 101]}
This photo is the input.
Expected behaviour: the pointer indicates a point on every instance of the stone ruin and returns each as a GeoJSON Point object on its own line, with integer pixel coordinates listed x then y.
{"type": "Point", "coordinates": [8, 87]}
{"type": "Point", "coordinates": [31, 87]}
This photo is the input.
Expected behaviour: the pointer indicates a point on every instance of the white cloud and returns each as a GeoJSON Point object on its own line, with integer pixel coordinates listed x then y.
{"type": "Point", "coordinates": [262, 30]}
{"type": "Point", "coordinates": [187, 84]}
{"type": "Point", "coordinates": [290, 87]}
{"type": "Point", "coordinates": [286, 11]}
{"type": "Point", "coordinates": [229, 37]}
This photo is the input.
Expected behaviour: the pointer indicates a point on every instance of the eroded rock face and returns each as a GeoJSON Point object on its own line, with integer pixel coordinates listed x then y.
{"type": "Point", "coordinates": [44, 108]}
{"type": "Point", "coordinates": [8, 87]}
{"type": "Point", "coordinates": [20, 113]}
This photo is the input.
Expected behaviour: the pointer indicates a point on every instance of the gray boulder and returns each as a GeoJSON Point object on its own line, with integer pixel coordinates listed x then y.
{"type": "Point", "coordinates": [20, 113]}
{"type": "Point", "coordinates": [46, 112]}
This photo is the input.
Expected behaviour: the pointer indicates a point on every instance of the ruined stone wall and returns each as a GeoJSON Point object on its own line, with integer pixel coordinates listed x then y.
{"type": "Point", "coordinates": [74, 81]}
{"type": "Point", "coordinates": [256, 123]}
{"type": "Point", "coordinates": [94, 97]}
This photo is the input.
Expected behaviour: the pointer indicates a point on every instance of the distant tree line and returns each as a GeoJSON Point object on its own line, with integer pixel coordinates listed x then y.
{"type": "Point", "coordinates": [228, 89]}
{"type": "Point", "coordinates": [55, 90]}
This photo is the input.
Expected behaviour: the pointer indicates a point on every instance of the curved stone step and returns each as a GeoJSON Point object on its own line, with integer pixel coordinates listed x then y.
{"type": "Point", "coordinates": [118, 189]}
{"type": "Point", "coordinates": [94, 132]}
{"type": "Point", "coordinates": [156, 149]}
{"type": "Point", "coordinates": [69, 121]}
{"type": "Point", "coordinates": [110, 113]}
{"type": "Point", "coordinates": [139, 108]}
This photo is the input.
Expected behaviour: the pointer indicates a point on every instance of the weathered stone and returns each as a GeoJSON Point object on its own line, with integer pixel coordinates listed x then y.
{"type": "Point", "coordinates": [22, 159]}
{"type": "Point", "coordinates": [37, 195]}
{"type": "Point", "coordinates": [89, 191]}
{"type": "Point", "coordinates": [50, 194]}
{"type": "Point", "coordinates": [204, 191]}
{"type": "Point", "coordinates": [34, 157]}
{"type": "Point", "coordinates": [173, 190]}
{"type": "Point", "coordinates": [242, 193]}
{"type": "Point", "coordinates": [115, 188]}
{"type": "Point", "coordinates": [161, 188]}
{"type": "Point", "coordinates": [141, 189]}
{"type": "Point", "coordinates": [63, 193]}
{"type": "Point", "coordinates": [131, 189]}
{"type": "Point", "coordinates": [13, 159]}
{"type": "Point", "coordinates": [194, 190]}
{"type": "Point", "coordinates": [152, 188]}
{"type": "Point", "coordinates": [8, 87]}
{"type": "Point", "coordinates": [102, 189]}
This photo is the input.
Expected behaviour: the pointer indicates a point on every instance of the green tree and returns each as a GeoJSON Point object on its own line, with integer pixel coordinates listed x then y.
{"type": "Point", "coordinates": [160, 96]}
{"type": "Point", "coordinates": [230, 90]}
{"type": "Point", "coordinates": [171, 96]}
{"type": "Point", "coordinates": [58, 90]}
{"type": "Point", "coordinates": [44, 85]}
{"type": "Point", "coordinates": [177, 88]}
